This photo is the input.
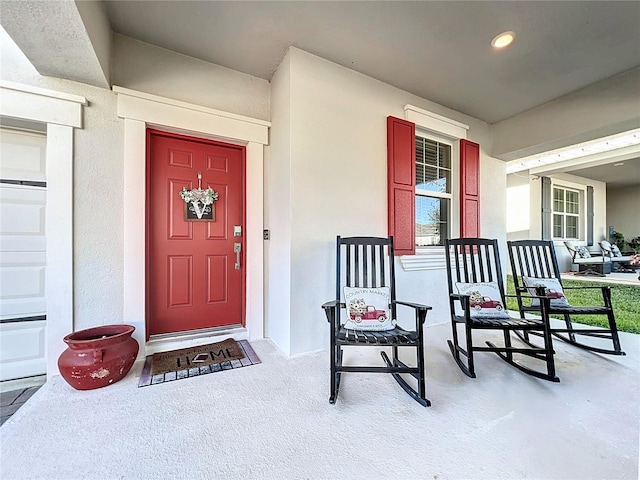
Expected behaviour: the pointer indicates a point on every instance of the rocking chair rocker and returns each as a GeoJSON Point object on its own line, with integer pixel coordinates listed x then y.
{"type": "Point", "coordinates": [534, 266]}
{"type": "Point", "coordinates": [476, 287]}
{"type": "Point", "coordinates": [365, 276]}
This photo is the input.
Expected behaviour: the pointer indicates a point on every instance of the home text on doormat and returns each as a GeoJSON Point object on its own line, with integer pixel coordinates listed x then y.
{"type": "Point", "coordinates": [190, 362]}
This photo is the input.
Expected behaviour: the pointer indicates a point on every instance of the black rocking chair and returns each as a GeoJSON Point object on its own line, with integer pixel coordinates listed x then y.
{"type": "Point", "coordinates": [362, 263]}
{"type": "Point", "coordinates": [474, 266]}
{"type": "Point", "coordinates": [536, 259]}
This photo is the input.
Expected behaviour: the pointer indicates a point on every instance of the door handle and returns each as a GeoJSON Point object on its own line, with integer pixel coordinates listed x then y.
{"type": "Point", "coordinates": [237, 247]}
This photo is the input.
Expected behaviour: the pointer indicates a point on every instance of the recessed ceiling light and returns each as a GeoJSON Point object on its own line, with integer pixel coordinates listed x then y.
{"type": "Point", "coordinates": [618, 164]}
{"type": "Point", "coordinates": [503, 40]}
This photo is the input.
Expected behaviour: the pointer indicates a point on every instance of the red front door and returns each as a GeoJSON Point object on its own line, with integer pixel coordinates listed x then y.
{"type": "Point", "coordinates": [195, 278]}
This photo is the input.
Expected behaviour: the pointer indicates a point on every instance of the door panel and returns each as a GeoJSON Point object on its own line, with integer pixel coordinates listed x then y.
{"type": "Point", "coordinates": [22, 349]}
{"type": "Point", "coordinates": [192, 281]}
{"type": "Point", "coordinates": [178, 228]}
{"type": "Point", "coordinates": [22, 251]}
{"type": "Point", "coordinates": [23, 305]}
{"type": "Point", "coordinates": [217, 278]}
{"type": "Point", "coordinates": [23, 155]}
{"type": "Point", "coordinates": [180, 281]}
{"type": "Point", "coordinates": [219, 229]}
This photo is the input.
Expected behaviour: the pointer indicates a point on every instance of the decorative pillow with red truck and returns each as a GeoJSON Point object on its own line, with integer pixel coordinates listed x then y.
{"type": "Point", "coordinates": [368, 308]}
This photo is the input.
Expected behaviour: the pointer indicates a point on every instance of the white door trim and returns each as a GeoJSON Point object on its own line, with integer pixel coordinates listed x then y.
{"type": "Point", "coordinates": [61, 112]}
{"type": "Point", "coordinates": [140, 110]}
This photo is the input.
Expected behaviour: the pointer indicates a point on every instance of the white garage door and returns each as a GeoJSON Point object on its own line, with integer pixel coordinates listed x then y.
{"type": "Point", "coordinates": [22, 254]}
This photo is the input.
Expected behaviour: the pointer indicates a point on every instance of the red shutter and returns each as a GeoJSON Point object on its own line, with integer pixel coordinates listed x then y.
{"type": "Point", "coordinates": [401, 182]}
{"type": "Point", "coordinates": [469, 189]}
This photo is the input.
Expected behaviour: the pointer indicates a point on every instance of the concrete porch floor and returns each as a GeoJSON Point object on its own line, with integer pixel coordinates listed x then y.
{"type": "Point", "coordinates": [274, 421]}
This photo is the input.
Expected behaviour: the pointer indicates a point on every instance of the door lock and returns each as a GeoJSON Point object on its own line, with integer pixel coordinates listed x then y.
{"type": "Point", "coordinates": [237, 230]}
{"type": "Point", "coordinates": [237, 247]}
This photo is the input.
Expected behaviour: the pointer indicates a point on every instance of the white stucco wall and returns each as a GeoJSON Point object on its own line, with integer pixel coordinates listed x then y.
{"type": "Point", "coordinates": [150, 69]}
{"type": "Point", "coordinates": [623, 211]}
{"type": "Point", "coordinates": [97, 193]}
{"type": "Point", "coordinates": [338, 175]}
{"type": "Point", "coordinates": [518, 206]}
{"type": "Point", "coordinates": [277, 215]}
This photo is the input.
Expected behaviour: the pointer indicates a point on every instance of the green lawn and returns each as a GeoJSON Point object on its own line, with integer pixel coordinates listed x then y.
{"type": "Point", "coordinates": [625, 299]}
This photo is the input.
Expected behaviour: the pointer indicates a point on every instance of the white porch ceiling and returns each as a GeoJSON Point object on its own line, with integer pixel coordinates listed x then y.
{"type": "Point", "coordinates": [618, 174]}
{"type": "Point", "coordinates": [438, 50]}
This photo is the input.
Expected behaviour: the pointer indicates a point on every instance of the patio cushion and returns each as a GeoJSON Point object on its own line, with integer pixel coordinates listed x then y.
{"type": "Point", "coordinates": [616, 251]}
{"type": "Point", "coordinates": [582, 252]}
{"type": "Point", "coordinates": [552, 287]}
{"type": "Point", "coordinates": [591, 260]}
{"type": "Point", "coordinates": [368, 308]}
{"type": "Point", "coordinates": [485, 299]}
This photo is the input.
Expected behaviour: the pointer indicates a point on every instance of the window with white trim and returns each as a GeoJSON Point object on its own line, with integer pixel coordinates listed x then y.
{"type": "Point", "coordinates": [433, 191]}
{"type": "Point", "coordinates": [446, 201]}
{"type": "Point", "coordinates": [566, 213]}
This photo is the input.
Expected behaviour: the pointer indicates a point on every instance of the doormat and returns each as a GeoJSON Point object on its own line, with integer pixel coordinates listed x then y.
{"type": "Point", "coordinates": [165, 367]}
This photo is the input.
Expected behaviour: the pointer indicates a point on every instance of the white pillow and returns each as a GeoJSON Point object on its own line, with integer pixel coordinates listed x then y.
{"type": "Point", "coordinates": [485, 301]}
{"type": "Point", "coordinates": [583, 252]}
{"type": "Point", "coordinates": [368, 308]}
{"type": "Point", "coordinates": [553, 290]}
{"type": "Point", "coordinates": [616, 251]}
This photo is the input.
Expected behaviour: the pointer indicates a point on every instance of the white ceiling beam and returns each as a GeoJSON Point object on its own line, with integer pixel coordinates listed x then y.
{"type": "Point", "coordinates": [606, 108]}
{"type": "Point", "coordinates": [595, 160]}
{"type": "Point", "coordinates": [62, 39]}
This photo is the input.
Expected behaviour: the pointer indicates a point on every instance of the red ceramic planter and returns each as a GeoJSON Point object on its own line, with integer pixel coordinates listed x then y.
{"type": "Point", "coordinates": [98, 356]}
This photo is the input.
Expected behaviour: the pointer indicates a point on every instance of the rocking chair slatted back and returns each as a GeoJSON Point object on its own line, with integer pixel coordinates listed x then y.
{"type": "Point", "coordinates": [365, 264]}
{"type": "Point", "coordinates": [474, 263]}
{"type": "Point", "coordinates": [532, 258]}
{"type": "Point", "coordinates": [535, 258]}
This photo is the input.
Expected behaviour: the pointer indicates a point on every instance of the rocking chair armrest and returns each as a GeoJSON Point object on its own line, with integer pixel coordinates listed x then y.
{"type": "Point", "coordinates": [462, 298]}
{"type": "Point", "coordinates": [601, 287]}
{"type": "Point", "coordinates": [523, 295]}
{"type": "Point", "coordinates": [519, 292]}
{"type": "Point", "coordinates": [331, 310]}
{"type": "Point", "coordinates": [543, 304]}
{"type": "Point", "coordinates": [465, 304]}
{"type": "Point", "coordinates": [420, 309]}
{"type": "Point", "coordinates": [605, 290]}
{"type": "Point", "coordinates": [417, 306]}
{"type": "Point", "coordinates": [331, 304]}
